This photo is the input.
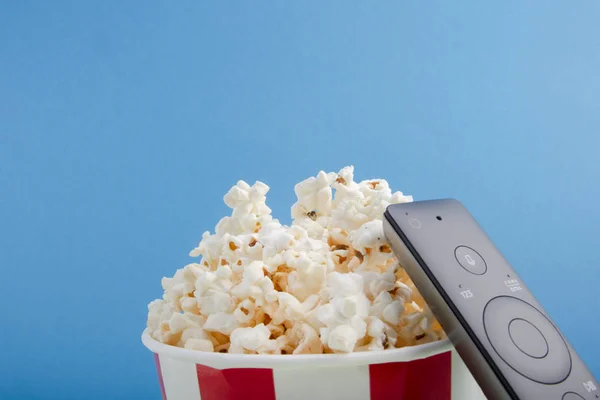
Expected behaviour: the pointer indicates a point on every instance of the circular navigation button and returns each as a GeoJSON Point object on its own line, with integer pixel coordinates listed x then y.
{"type": "Point", "coordinates": [572, 396]}
{"type": "Point", "coordinates": [470, 260]}
{"type": "Point", "coordinates": [528, 338]}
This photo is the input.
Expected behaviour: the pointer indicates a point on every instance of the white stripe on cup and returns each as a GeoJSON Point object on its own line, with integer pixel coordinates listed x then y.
{"type": "Point", "coordinates": [325, 383]}
{"type": "Point", "coordinates": [180, 378]}
{"type": "Point", "coordinates": [464, 385]}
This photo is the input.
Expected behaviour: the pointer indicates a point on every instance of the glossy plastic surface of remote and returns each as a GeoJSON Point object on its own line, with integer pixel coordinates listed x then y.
{"type": "Point", "coordinates": [504, 336]}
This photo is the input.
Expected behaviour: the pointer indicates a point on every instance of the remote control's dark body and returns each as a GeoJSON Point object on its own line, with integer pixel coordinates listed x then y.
{"type": "Point", "coordinates": [501, 332]}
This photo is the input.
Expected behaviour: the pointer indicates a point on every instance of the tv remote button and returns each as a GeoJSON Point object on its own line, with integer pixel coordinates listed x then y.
{"type": "Point", "coordinates": [526, 340]}
{"type": "Point", "coordinates": [572, 396]}
{"type": "Point", "coordinates": [470, 260]}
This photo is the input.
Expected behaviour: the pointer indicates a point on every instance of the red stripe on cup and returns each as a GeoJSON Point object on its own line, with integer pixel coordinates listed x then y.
{"type": "Point", "coordinates": [235, 384]}
{"type": "Point", "coordinates": [160, 376]}
{"type": "Point", "coordinates": [425, 379]}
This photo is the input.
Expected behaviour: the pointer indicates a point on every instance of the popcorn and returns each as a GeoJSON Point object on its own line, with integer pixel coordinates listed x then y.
{"type": "Point", "coordinates": [159, 315]}
{"type": "Point", "coordinates": [181, 285]}
{"type": "Point", "coordinates": [346, 312]}
{"type": "Point", "coordinates": [308, 339]}
{"type": "Point", "coordinates": [178, 323]}
{"type": "Point", "coordinates": [392, 312]}
{"type": "Point", "coordinates": [199, 344]}
{"type": "Point", "coordinates": [314, 196]}
{"type": "Point", "coordinates": [221, 322]}
{"type": "Point", "coordinates": [328, 283]}
{"type": "Point", "coordinates": [342, 338]}
{"type": "Point", "coordinates": [368, 236]}
{"type": "Point", "coordinates": [245, 199]}
{"type": "Point", "coordinates": [245, 312]}
{"type": "Point", "coordinates": [195, 332]}
{"type": "Point", "coordinates": [256, 339]}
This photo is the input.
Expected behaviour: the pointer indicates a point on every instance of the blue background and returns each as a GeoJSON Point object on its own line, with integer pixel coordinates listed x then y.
{"type": "Point", "coordinates": [122, 125]}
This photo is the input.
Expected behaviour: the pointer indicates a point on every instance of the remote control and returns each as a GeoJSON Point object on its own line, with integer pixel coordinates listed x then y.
{"type": "Point", "coordinates": [506, 339]}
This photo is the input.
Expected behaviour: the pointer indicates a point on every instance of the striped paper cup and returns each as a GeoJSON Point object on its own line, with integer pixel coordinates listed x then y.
{"type": "Point", "coordinates": [432, 371]}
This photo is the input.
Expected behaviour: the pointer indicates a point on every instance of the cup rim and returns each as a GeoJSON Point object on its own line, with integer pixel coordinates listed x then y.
{"type": "Point", "coordinates": [408, 353]}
